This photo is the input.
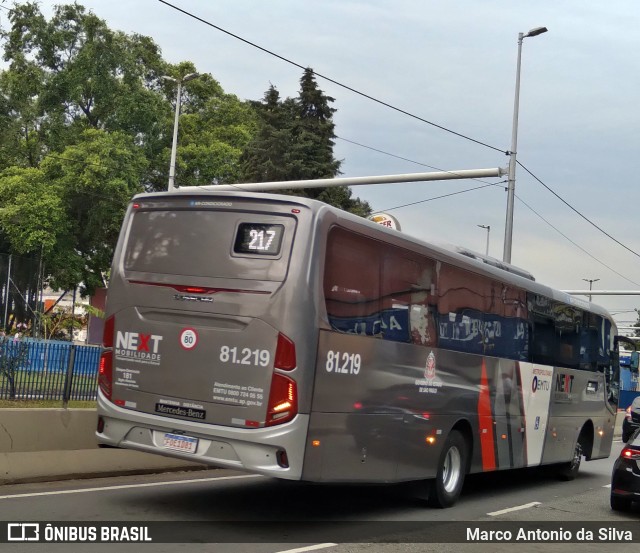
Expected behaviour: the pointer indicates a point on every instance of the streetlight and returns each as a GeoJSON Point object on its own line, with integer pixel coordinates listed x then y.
{"type": "Point", "coordinates": [174, 146]}
{"type": "Point", "coordinates": [590, 281]}
{"type": "Point", "coordinates": [488, 227]}
{"type": "Point", "coordinates": [508, 231]}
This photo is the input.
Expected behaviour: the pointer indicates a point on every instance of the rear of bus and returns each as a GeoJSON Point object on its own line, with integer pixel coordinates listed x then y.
{"type": "Point", "coordinates": [205, 336]}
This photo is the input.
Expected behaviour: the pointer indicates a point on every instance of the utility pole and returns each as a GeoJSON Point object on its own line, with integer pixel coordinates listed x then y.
{"type": "Point", "coordinates": [511, 187]}
{"type": "Point", "coordinates": [174, 144]}
{"type": "Point", "coordinates": [590, 281]}
{"type": "Point", "coordinates": [488, 228]}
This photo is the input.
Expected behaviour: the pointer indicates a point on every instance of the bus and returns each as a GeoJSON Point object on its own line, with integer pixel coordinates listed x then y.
{"type": "Point", "coordinates": [281, 336]}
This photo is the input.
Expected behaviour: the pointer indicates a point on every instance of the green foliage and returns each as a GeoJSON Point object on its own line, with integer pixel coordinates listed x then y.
{"type": "Point", "coordinates": [215, 128]}
{"type": "Point", "coordinates": [45, 404]}
{"type": "Point", "coordinates": [295, 141]}
{"type": "Point", "coordinates": [86, 122]}
{"type": "Point", "coordinates": [61, 324]}
{"type": "Point", "coordinates": [95, 180]}
{"type": "Point", "coordinates": [31, 210]}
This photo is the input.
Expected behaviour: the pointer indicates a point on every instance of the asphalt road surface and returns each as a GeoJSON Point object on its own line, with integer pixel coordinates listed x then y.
{"type": "Point", "coordinates": [223, 510]}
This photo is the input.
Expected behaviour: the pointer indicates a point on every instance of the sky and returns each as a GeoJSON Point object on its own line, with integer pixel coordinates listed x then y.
{"type": "Point", "coordinates": [453, 63]}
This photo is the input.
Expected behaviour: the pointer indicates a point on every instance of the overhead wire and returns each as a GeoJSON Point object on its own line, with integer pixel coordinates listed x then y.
{"type": "Point", "coordinates": [479, 188]}
{"type": "Point", "coordinates": [576, 244]}
{"type": "Point", "coordinates": [414, 116]}
{"type": "Point", "coordinates": [578, 212]}
{"type": "Point", "coordinates": [391, 106]}
{"type": "Point", "coordinates": [405, 159]}
{"type": "Point", "coordinates": [437, 197]}
{"type": "Point", "coordinates": [331, 80]}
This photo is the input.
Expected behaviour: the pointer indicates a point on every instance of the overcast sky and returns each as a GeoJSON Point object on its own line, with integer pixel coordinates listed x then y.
{"type": "Point", "coordinates": [454, 63]}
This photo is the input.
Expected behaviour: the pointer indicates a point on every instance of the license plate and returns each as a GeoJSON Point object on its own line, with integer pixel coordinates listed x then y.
{"type": "Point", "coordinates": [177, 442]}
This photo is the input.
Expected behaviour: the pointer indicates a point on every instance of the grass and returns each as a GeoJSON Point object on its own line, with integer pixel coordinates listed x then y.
{"type": "Point", "coordinates": [48, 381]}
{"type": "Point", "coordinates": [43, 403]}
{"type": "Point", "coordinates": [31, 385]}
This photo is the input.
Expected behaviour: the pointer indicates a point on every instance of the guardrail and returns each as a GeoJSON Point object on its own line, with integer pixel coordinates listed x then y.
{"type": "Point", "coordinates": [48, 370]}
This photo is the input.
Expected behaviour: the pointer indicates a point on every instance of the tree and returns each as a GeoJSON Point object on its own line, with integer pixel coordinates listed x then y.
{"type": "Point", "coordinates": [265, 158]}
{"type": "Point", "coordinates": [73, 73]}
{"type": "Point", "coordinates": [95, 179]}
{"type": "Point", "coordinates": [32, 215]}
{"type": "Point", "coordinates": [313, 133]}
{"type": "Point", "coordinates": [215, 128]}
{"type": "Point", "coordinates": [86, 122]}
{"type": "Point", "coordinates": [62, 324]}
{"type": "Point", "coordinates": [295, 141]}
{"type": "Point", "coordinates": [636, 332]}
{"type": "Point", "coordinates": [70, 208]}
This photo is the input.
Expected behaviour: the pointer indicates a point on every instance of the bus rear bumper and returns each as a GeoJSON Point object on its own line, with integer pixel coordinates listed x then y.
{"type": "Point", "coordinates": [275, 451]}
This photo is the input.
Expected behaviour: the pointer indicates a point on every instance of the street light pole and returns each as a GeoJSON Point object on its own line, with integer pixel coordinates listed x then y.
{"type": "Point", "coordinates": [174, 145]}
{"type": "Point", "coordinates": [511, 187]}
{"type": "Point", "coordinates": [488, 227]}
{"type": "Point", "coordinates": [590, 281]}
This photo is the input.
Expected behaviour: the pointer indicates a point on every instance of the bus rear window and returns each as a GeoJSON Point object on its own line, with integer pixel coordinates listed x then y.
{"type": "Point", "coordinates": [208, 243]}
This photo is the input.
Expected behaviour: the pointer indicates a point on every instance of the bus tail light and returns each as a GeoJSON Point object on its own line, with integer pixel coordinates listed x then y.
{"type": "Point", "coordinates": [105, 372]}
{"type": "Point", "coordinates": [285, 354]}
{"type": "Point", "coordinates": [283, 400]}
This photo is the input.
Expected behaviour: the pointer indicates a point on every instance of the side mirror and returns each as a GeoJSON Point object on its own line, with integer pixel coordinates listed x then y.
{"type": "Point", "coordinates": [635, 360]}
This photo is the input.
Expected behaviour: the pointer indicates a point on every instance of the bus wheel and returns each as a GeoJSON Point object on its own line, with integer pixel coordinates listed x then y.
{"type": "Point", "coordinates": [568, 471]}
{"type": "Point", "coordinates": [445, 489]}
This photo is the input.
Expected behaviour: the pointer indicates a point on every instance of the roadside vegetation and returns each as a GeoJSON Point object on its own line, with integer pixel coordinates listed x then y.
{"type": "Point", "coordinates": [86, 122]}
{"type": "Point", "coordinates": [44, 404]}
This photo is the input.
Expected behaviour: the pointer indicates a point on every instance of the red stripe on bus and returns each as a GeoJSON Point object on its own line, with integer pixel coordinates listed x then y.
{"type": "Point", "coordinates": [485, 418]}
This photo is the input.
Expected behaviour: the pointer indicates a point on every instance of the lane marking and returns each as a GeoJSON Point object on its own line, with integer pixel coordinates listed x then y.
{"type": "Point", "coordinates": [607, 486]}
{"type": "Point", "coordinates": [309, 548]}
{"type": "Point", "coordinates": [129, 486]}
{"type": "Point", "coordinates": [518, 508]}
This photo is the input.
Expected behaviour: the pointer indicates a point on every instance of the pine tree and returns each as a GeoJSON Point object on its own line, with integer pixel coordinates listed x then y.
{"type": "Point", "coordinates": [264, 160]}
{"type": "Point", "coordinates": [295, 142]}
{"type": "Point", "coordinates": [313, 133]}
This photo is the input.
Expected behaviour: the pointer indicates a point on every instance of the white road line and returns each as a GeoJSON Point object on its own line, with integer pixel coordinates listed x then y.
{"type": "Point", "coordinates": [128, 486]}
{"type": "Point", "coordinates": [511, 509]}
{"type": "Point", "coordinates": [309, 548]}
{"type": "Point", "coordinates": [607, 486]}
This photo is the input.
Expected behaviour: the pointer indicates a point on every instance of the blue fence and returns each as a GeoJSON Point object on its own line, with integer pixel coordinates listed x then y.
{"type": "Point", "coordinates": [48, 369]}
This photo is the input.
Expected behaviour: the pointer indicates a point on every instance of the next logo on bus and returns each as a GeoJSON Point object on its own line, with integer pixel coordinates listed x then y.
{"type": "Point", "coordinates": [134, 341]}
{"type": "Point", "coordinates": [564, 383]}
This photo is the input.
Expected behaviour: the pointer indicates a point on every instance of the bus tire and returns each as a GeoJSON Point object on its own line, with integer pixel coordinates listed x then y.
{"type": "Point", "coordinates": [568, 471]}
{"type": "Point", "coordinates": [445, 489]}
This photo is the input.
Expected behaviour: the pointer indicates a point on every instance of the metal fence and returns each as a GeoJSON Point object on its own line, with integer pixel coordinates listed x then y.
{"type": "Point", "coordinates": [20, 287]}
{"type": "Point", "coordinates": [48, 370]}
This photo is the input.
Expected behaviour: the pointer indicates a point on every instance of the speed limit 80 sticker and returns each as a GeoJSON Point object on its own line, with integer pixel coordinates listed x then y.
{"type": "Point", "coordinates": [188, 338]}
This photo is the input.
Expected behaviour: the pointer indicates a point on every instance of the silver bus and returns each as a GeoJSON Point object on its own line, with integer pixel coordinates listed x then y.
{"type": "Point", "coordinates": [281, 336]}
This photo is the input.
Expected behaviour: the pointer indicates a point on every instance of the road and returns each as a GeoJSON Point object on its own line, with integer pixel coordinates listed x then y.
{"type": "Point", "coordinates": [266, 515]}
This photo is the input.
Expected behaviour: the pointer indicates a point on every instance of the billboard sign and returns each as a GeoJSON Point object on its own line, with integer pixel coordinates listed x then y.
{"type": "Point", "coordinates": [385, 220]}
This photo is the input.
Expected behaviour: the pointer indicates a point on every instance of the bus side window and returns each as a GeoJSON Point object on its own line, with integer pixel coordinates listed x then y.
{"type": "Point", "coordinates": [352, 283]}
{"type": "Point", "coordinates": [407, 281]}
{"type": "Point", "coordinates": [462, 299]}
{"type": "Point", "coordinates": [589, 349]}
{"type": "Point", "coordinates": [543, 341]}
